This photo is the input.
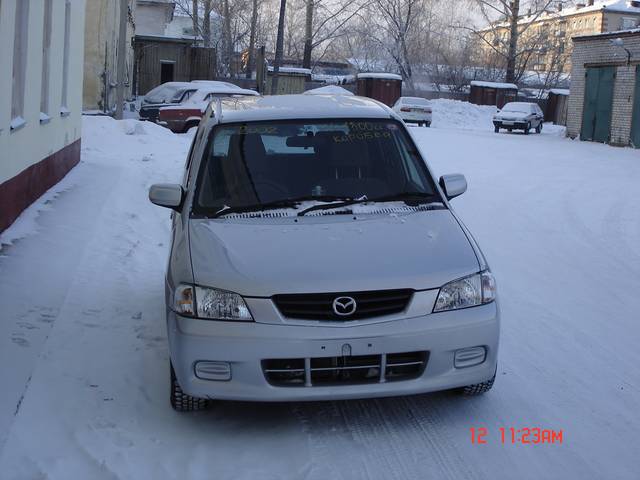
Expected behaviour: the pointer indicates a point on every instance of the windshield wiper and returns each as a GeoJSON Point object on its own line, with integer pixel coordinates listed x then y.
{"type": "Point", "coordinates": [276, 204]}
{"type": "Point", "coordinates": [410, 198]}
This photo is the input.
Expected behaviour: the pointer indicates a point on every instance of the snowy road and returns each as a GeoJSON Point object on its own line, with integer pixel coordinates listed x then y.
{"type": "Point", "coordinates": [84, 357]}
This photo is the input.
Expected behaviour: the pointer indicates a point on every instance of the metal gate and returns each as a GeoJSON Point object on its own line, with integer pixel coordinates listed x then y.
{"type": "Point", "coordinates": [598, 104]}
{"type": "Point", "coordinates": [635, 126]}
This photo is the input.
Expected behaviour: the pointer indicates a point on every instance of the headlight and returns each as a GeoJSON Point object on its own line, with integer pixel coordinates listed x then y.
{"type": "Point", "coordinates": [470, 291]}
{"type": "Point", "coordinates": [210, 303]}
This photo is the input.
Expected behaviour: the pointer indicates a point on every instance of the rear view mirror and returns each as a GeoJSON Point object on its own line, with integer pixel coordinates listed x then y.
{"type": "Point", "coordinates": [453, 185]}
{"type": "Point", "coordinates": [167, 195]}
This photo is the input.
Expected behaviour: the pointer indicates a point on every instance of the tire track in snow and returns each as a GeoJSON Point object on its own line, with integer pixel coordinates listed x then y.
{"type": "Point", "coordinates": [403, 438]}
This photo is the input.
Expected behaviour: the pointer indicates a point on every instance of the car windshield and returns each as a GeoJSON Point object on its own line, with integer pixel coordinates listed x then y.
{"type": "Point", "coordinates": [258, 163]}
{"type": "Point", "coordinates": [162, 94]}
{"type": "Point", "coordinates": [517, 107]}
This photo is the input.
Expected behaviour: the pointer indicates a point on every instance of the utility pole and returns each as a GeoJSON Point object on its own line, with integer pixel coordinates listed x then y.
{"type": "Point", "coordinates": [279, 41]}
{"type": "Point", "coordinates": [308, 35]}
{"type": "Point", "coordinates": [122, 57]}
{"type": "Point", "coordinates": [513, 41]}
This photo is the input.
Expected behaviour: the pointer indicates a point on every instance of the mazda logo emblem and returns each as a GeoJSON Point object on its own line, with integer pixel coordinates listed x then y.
{"type": "Point", "coordinates": [344, 306]}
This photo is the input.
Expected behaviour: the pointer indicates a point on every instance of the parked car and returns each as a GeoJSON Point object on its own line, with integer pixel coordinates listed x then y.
{"type": "Point", "coordinates": [414, 110]}
{"type": "Point", "coordinates": [166, 94]}
{"type": "Point", "coordinates": [314, 257]}
{"type": "Point", "coordinates": [519, 116]}
{"type": "Point", "coordinates": [180, 118]}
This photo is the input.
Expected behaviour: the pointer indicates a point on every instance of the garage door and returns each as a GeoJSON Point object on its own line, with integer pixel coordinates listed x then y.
{"type": "Point", "coordinates": [635, 127]}
{"type": "Point", "coordinates": [598, 104]}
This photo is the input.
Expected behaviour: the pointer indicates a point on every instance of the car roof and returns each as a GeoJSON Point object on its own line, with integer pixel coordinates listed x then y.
{"type": "Point", "coordinates": [289, 107]}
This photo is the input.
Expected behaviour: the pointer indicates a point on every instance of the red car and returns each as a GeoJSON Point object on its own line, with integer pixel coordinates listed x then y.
{"type": "Point", "coordinates": [180, 118]}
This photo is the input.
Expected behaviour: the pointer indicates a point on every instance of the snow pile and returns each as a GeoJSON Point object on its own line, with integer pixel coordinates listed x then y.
{"type": "Point", "coordinates": [328, 90]}
{"type": "Point", "coordinates": [461, 115]}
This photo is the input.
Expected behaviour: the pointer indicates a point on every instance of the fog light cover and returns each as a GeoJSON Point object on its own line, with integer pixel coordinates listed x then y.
{"type": "Point", "coordinates": [217, 371]}
{"type": "Point", "coordinates": [468, 357]}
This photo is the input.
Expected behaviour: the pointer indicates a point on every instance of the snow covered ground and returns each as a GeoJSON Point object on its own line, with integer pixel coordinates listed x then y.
{"type": "Point", "coordinates": [84, 357]}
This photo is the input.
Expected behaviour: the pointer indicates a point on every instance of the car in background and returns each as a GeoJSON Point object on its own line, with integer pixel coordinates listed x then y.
{"type": "Point", "coordinates": [519, 116]}
{"type": "Point", "coordinates": [414, 110]}
{"type": "Point", "coordinates": [180, 118]}
{"type": "Point", "coordinates": [389, 294]}
{"type": "Point", "coordinates": [174, 93]}
{"type": "Point", "coordinates": [165, 94]}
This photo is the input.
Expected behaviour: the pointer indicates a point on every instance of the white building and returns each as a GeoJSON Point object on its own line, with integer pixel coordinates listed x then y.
{"type": "Point", "coordinates": [40, 98]}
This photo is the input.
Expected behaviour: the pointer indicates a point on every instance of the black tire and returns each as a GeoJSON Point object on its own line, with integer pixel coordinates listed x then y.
{"type": "Point", "coordinates": [189, 126]}
{"type": "Point", "coordinates": [539, 128]}
{"type": "Point", "coordinates": [496, 129]}
{"type": "Point", "coordinates": [427, 124]}
{"type": "Point", "coordinates": [527, 128]}
{"type": "Point", "coordinates": [478, 388]}
{"type": "Point", "coordinates": [180, 401]}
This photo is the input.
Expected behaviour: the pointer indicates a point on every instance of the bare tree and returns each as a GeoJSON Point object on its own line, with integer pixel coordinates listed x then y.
{"type": "Point", "coordinates": [279, 43]}
{"type": "Point", "coordinates": [507, 30]}
{"type": "Point", "coordinates": [252, 38]}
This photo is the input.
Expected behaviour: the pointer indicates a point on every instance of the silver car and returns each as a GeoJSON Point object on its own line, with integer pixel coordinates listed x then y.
{"type": "Point", "coordinates": [314, 257]}
{"type": "Point", "coordinates": [519, 116]}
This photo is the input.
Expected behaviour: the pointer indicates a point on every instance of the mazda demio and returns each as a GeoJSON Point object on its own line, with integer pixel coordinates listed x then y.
{"type": "Point", "coordinates": [314, 257]}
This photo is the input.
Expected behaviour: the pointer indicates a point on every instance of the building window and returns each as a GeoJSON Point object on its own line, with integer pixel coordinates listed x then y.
{"type": "Point", "coordinates": [46, 49]}
{"type": "Point", "coordinates": [627, 23]}
{"type": "Point", "coordinates": [19, 64]}
{"type": "Point", "coordinates": [64, 109]}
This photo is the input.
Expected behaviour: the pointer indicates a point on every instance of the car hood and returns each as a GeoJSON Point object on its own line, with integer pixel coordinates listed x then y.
{"type": "Point", "coordinates": [333, 253]}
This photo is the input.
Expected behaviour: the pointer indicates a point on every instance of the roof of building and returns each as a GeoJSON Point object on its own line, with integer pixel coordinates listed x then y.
{"type": "Point", "coordinates": [293, 70]}
{"type": "Point", "coordinates": [384, 75]}
{"type": "Point", "coordinates": [498, 85]}
{"type": "Point", "coordinates": [613, 6]}
{"type": "Point", "coordinates": [289, 107]}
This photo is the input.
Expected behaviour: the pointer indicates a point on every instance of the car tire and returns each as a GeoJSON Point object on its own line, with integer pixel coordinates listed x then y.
{"type": "Point", "coordinates": [182, 402]}
{"type": "Point", "coordinates": [427, 124]}
{"type": "Point", "coordinates": [189, 126]}
{"type": "Point", "coordinates": [478, 388]}
{"type": "Point", "coordinates": [527, 128]}
{"type": "Point", "coordinates": [539, 128]}
{"type": "Point", "coordinates": [496, 129]}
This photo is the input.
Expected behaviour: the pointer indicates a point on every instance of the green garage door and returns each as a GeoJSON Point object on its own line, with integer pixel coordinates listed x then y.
{"type": "Point", "coordinates": [635, 127]}
{"type": "Point", "coordinates": [598, 103]}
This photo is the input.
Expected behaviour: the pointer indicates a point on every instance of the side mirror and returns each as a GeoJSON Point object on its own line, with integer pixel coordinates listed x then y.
{"type": "Point", "coordinates": [453, 185]}
{"type": "Point", "coordinates": [169, 195]}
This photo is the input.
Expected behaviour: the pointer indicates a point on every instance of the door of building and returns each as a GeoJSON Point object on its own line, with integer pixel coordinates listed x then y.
{"type": "Point", "coordinates": [635, 125]}
{"type": "Point", "coordinates": [166, 72]}
{"type": "Point", "coordinates": [598, 104]}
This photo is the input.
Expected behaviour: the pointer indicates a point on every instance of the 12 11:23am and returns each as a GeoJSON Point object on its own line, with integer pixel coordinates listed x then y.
{"type": "Point", "coordinates": [519, 436]}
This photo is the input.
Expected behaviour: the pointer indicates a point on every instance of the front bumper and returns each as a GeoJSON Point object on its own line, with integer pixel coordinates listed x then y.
{"type": "Point", "coordinates": [245, 345]}
{"type": "Point", "coordinates": [515, 125]}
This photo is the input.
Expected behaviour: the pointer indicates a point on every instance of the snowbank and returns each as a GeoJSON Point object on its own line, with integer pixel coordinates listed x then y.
{"type": "Point", "coordinates": [328, 90]}
{"type": "Point", "coordinates": [461, 115]}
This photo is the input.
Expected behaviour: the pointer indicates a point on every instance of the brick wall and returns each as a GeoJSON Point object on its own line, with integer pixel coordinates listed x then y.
{"type": "Point", "coordinates": [594, 51]}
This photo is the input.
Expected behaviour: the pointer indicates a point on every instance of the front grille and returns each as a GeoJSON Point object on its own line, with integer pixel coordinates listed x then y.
{"type": "Point", "coordinates": [349, 370]}
{"type": "Point", "coordinates": [319, 306]}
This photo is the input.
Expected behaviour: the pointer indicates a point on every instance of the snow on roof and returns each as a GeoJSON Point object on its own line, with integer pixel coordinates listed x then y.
{"type": "Point", "coordinates": [631, 31]}
{"type": "Point", "coordinates": [559, 91]}
{"type": "Point", "coordinates": [388, 76]}
{"type": "Point", "coordinates": [328, 90]}
{"type": "Point", "coordinates": [303, 71]}
{"type": "Point", "coordinates": [614, 6]}
{"type": "Point", "coordinates": [498, 85]}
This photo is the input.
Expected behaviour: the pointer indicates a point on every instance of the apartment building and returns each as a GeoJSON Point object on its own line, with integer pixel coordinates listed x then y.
{"type": "Point", "coordinates": [546, 41]}
{"type": "Point", "coordinates": [41, 100]}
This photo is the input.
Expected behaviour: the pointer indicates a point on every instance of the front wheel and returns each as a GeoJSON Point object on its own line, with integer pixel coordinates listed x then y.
{"type": "Point", "coordinates": [528, 127]}
{"type": "Point", "coordinates": [182, 402]}
{"type": "Point", "coordinates": [539, 128]}
{"type": "Point", "coordinates": [478, 388]}
{"type": "Point", "coordinates": [496, 129]}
